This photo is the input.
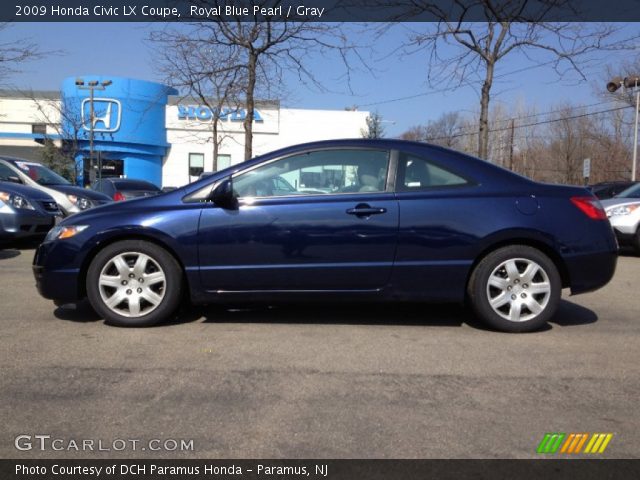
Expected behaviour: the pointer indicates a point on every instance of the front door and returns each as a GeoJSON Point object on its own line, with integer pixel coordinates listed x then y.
{"type": "Point", "coordinates": [336, 233]}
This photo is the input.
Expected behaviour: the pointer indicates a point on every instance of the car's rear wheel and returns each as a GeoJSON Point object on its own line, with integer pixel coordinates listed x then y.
{"type": "Point", "coordinates": [515, 289]}
{"type": "Point", "coordinates": [134, 283]}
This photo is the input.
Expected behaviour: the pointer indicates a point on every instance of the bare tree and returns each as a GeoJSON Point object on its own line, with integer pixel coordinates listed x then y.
{"type": "Point", "coordinates": [448, 130]}
{"type": "Point", "coordinates": [14, 53]}
{"type": "Point", "coordinates": [64, 117]}
{"type": "Point", "coordinates": [264, 47]}
{"type": "Point", "coordinates": [464, 50]}
{"type": "Point", "coordinates": [374, 129]}
{"type": "Point", "coordinates": [208, 74]}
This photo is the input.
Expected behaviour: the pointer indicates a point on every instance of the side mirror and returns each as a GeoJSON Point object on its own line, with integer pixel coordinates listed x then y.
{"type": "Point", "coordinates": [223, 195]}
{"type": "Point", "coordinates": [14, 179]}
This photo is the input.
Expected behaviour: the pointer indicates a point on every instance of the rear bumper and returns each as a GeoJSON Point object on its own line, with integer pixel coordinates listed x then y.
{"type": "Point", "coordinates": [588, 272]}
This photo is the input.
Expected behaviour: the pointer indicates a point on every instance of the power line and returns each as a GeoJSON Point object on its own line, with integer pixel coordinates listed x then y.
{"type": "Point", "coordinates": [564, 109]}
{"type": "Point", "coordinates": [442, 90]}
{"type": "Point", "coordinates": [533, 124]}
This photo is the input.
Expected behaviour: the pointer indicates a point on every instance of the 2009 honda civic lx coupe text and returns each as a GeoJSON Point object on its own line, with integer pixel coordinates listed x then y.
{"type": "Point", "coordinates": [333, 220]}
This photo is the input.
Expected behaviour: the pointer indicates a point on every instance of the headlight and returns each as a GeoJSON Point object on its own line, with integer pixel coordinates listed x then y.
{"type": "Point", "coordinates": [16, 201]}
{"type": "Point", "coordinates": [81, 202]}
{"type": "Point", "coordinates": [622, 209]}
{"type": "Point", "coordinates": [61, 232]}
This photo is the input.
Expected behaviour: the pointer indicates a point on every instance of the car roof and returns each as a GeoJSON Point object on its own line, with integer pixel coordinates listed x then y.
{"type": "Point", "coordinates": [13, 160]}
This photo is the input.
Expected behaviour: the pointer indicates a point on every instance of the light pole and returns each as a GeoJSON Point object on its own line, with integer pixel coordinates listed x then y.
{"type": "Point", "coordinates": [92, 86]}
{"type": "Point", "coordinates": [632, 81]}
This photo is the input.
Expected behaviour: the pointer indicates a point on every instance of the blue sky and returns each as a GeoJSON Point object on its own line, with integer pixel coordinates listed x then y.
{"type": "Point", "coordinates": [119, 49]}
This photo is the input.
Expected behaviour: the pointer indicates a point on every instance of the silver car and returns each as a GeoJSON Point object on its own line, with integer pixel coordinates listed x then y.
{"type": "Point", "coordinates": [70, 198]}
{"type": "Point", "coordinates": [624, 214]}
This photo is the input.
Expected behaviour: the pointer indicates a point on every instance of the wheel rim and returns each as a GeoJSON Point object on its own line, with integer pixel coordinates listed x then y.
{"type": "Point", "coordinates": [132, 284]}
{"type": "Point", "coordinates": [518, 289]}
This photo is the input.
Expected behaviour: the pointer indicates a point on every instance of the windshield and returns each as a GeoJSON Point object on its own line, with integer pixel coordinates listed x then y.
{"type": "Point", "coordinates": [42, 174]}
{"type": "Point", "coordinates": [631, 192]}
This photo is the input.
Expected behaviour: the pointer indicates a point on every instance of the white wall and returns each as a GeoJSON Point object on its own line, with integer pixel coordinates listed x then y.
{"type": "Point", "coordinates": [280, 128]}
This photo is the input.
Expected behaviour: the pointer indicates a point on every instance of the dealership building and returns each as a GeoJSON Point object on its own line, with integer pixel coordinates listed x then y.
{"type": "Point", "coordinates": [144, 130]}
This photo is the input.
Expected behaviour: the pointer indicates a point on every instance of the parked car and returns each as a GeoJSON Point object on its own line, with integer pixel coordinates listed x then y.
{"type": "Point", "coordinates": [120, 189]}
{"type": "Point", "coordinates": [24, 211]}
{"type": "Point", "coordinates": [70, 198]}
{"type": "Point", "coordinates": [606, 190]}
{"type": "Point", "coordinates": [624, 214]}
{"type": "Point", "coordinates": [407, 222]}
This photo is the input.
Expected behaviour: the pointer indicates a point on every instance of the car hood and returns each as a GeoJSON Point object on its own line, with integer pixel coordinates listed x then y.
{"type": "Point", "coordinates": [112, 208]}
{"type": "Point", "coordinates": [614, 202]}
{"type": "Point", "coordinates": [25, 191]}
{"type": "Point", "coordinates": [84, 192]}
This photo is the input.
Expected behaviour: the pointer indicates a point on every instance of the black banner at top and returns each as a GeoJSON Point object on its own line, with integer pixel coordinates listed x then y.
{"type": "Point", "coordinates": [318, 10]}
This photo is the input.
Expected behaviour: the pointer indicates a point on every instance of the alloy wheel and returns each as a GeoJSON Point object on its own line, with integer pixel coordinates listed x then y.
{"type": "Point", "coordinates": [132, 284]}
{"type": "Point", "coordinates": [518, 289]}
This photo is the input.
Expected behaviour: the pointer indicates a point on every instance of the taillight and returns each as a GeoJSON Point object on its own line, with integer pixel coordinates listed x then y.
{"type": "Point", "coordinates": [118, 197]}
{"type": "Point", "coordinates": [590, 206]}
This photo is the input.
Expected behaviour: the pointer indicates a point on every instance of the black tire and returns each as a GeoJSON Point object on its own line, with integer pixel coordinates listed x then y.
{"type": "Point", "coordinates": [636, 242]}
{"type": "Point", "coordinates": [156, 300]}
{"type": "Point", "coordinates": [514, 289]}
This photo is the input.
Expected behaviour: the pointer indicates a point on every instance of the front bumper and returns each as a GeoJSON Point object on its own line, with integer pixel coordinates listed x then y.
{"type": "Point", "coordinates": [22, 224]}
{"type": "Point", "coordinates": [625, 227]}
{"type": "Point", "coordinates": [55, 284]}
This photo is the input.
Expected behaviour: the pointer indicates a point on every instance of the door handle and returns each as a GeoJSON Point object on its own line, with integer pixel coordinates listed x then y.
{"type": "Point", "coordinates": [364, 210]}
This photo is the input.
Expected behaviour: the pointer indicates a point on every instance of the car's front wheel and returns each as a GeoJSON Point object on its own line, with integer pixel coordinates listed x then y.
{"type": "Point", "coordinates": [515, 289]}
{"type": "Point", "coordinates": [134, 283]}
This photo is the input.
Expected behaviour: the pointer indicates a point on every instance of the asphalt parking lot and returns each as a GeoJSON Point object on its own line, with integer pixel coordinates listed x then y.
{"type": "Point", "coordinates": [355, 381]}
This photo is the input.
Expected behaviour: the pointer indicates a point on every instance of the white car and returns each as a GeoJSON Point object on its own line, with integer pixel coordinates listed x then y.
{"type": "Point", "coordinates": [70, 198]}
{"type": "Point", "coordinates": [624, 214]}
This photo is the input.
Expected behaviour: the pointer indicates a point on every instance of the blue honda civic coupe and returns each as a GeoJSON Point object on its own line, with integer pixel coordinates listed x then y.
{"type": "Point", "coordinates": [361, 220]}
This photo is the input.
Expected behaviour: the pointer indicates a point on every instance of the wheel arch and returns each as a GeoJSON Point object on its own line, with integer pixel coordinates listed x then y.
{"type": "Point", "coordinates": [538, 244]}
{"type": "Point", "coordinates": [103, 243]}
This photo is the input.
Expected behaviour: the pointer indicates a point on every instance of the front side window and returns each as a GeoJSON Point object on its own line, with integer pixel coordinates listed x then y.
{"type": "Point", "coordinates": [316, 173]}
{"type": "Point", "coordinates": [416, 173]}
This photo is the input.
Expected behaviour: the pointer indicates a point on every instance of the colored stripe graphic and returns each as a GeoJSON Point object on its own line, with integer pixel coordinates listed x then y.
{"type": "Point", "coordinates": [551, 442]}
{"type": "Point", "coordinates": [598, 442]}
{"type": "Point", "coordinates": [572, 443]}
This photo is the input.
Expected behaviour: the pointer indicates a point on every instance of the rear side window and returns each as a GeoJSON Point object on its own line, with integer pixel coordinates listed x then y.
{"type": "Point", "coordinates": [416, 173]}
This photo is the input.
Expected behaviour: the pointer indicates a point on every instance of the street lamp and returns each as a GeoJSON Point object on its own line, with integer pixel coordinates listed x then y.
{"type": "Point", "coordinates": [92, 86]}
{"type": "Point", "coordinates": [632, 81]}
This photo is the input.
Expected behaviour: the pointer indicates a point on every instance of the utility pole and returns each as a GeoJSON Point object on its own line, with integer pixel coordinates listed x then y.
{"type": "Point", "coordinates": [513, 127]}
{"type": "Point", "coordinates": [629, 82]}
{"type": "Point", "coordinates": [92, 86]}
